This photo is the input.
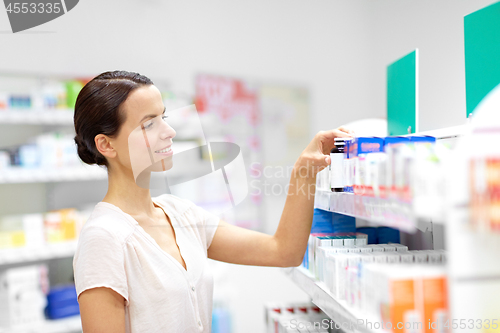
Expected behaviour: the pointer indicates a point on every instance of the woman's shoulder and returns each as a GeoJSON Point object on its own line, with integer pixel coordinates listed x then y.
{"type": "Point", "coordinates": [174, 204]}
{"type": "Point", "coordinates": [107, 219]}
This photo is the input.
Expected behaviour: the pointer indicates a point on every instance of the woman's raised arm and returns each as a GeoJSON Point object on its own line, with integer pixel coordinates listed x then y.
{"type": "Point", "coordinates": [287, 246]}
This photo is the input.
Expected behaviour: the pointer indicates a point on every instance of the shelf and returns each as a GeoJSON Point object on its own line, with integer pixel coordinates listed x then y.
{"type": "Point", "coordinates": [25, 175]}
{"type": "Point", "coordinates": [338, 311]}
{"type": "Point", "coordinates": [50, 251]}
{"type": "Point", "coordinates": [403, 216]}
{"type": "Point", "coordinates": [64, 325]}
{"type": "Point", "coordinates": [37, 117]}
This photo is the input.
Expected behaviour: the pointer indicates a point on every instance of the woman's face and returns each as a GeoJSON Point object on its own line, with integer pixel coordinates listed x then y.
{"type": "Point", "coordinates": [145, 139]}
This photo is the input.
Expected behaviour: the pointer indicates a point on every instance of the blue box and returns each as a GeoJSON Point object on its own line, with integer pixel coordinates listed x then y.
{"type": "Point", "coordinates": [343, 223]}
{"type": "Point", "coordinates": [322, 221]}
{"type": "Point", "coordinates": [62, 302]}
{"type": "Point", "coordinates": [371, 232]}
{"type": "Point", "coordinates": [388, 235]}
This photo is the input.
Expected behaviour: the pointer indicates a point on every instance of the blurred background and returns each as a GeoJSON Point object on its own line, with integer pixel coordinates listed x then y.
{"type": "Point", "coordinates": [266, 75]}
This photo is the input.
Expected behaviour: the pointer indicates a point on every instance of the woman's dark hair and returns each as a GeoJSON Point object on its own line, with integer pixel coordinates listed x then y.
{"type": "Point", "coordinates": [97, 110]}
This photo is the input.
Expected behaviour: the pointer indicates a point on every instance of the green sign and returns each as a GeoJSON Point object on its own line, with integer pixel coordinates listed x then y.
{"type": "Point", "coordinates": [482, 54]}
{"type": "Point", "coordinates": [402, 97]}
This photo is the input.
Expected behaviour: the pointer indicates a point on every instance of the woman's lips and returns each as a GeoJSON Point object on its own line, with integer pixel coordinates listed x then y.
{"type": "Point", "coordinates": [164, 151]}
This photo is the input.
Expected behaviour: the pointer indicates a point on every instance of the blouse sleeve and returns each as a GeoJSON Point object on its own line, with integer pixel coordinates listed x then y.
{"type": "Point", "coordinates": [209, 223]}
{"type": "Point", "coordinates": [99, 261]}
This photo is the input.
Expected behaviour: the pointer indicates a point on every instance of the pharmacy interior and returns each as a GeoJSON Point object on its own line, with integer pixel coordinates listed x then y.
{"type": "Point", "coordinates": [405, 234]}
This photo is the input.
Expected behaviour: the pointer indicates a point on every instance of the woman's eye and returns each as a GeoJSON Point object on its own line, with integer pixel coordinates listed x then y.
{"type": "Point", "coordinates": [164, 118]}
{"type": "Point", "coordinates": [148, 125]}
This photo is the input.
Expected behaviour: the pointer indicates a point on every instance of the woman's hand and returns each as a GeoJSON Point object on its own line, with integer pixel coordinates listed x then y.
{"type": "Point", "coordinates": [316, 156]}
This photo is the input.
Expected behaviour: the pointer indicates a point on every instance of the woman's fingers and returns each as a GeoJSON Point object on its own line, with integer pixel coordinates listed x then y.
{"type": "Point", "coordinates": [316, 156]}
{"type": "Point", "coordinates": [346, 130]}
{"type": "Point", "coordinates": [327, 138]}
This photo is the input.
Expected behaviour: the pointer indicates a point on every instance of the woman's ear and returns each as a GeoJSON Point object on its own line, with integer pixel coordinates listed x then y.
{"type": "Point", "coordinates": [103, 145]}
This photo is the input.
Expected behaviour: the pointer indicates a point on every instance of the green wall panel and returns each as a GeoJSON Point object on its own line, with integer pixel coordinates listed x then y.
{"type": "Point", "coordinates": [402, 95]}
{"type": "Point", "coordinates": [482, 53]}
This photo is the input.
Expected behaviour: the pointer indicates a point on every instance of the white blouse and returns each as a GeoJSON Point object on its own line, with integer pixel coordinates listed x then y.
{"type": "Point", "coordinates": [115, 252]}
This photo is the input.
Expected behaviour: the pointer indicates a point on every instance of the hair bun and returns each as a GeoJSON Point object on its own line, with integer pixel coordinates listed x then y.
{"type": "Point", "coordinates": [85, 154]}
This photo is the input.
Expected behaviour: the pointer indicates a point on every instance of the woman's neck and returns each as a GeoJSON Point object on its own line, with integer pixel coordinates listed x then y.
{"type": "Point", "coordinates": [124, 193]}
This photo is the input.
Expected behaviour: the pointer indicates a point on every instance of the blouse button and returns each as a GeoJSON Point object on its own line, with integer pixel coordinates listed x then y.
{"type": "Point", "coordinates": [199, 322]}
{"type": "Point", "coordinates": [192, 288]}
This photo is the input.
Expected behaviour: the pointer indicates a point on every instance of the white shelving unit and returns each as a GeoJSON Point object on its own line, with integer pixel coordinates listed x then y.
{"type": "Point", "coordinates": [37, 117]}
{"type": "Point", "coordinates": [71, 324]}
{"type": "Point", "coordinates": [19, 185]}
{"type": "Point", "coordinates": [49, 251]}
{"type": "Point", "coordinates": [337, 310]}
{"type": "Point", "coordinates": [404, 216]}
{"type": "Point", "coordinates": [15, 175]}
{"type": "Point", "coordinates": [379, 211]}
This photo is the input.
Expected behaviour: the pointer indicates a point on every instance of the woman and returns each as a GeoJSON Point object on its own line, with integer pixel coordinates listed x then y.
{"type": "Point", "coordinates": [141, 262]}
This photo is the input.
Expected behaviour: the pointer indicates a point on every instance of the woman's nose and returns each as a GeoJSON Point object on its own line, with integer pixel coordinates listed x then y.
{"type": "Point", "coordinates": [167, 131]}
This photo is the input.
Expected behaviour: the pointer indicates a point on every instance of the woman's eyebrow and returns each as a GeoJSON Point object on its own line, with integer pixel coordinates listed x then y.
{"type": "Point", "coordinates": [149, 116]}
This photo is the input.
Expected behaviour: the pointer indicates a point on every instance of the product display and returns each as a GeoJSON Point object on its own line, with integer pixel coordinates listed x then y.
{"type": "Point", "coordinates": [22, 296]}
{"type": "Point", "coordinates": [393, 181]}
{"type": "Point", "coordinates": [34, 231]}
{"type": "Point", "coordinates": [47, 151]}
{"type": "Point", "coordinates": [51, 95]}
{"type": "Point", "coordinates": [296, 318]}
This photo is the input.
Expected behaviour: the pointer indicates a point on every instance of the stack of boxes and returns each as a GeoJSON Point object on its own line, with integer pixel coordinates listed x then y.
{"type": "Point", "coordinates": [23, 296]}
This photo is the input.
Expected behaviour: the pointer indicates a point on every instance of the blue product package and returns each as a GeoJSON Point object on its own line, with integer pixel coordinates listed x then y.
{"type": "Point", "coordinates": [388, 235]}
{"type": "Point", "coordinates": [363, 146]}
{"type": "Point", "coordinates": [371, 232]}
{"type": "Point", "coordinates": [62, 302]}
{"type": "Point", "coordinates": [347, 166]}
{"type": "Point", "coordinates": [422, 138]}
{"type": "Point", "coordinates": [343, 223]}
{"type": "Point", "coordinates": [394, 140]}
{"type": "Point", "coordinates": [29, 156]}
{"type": "Point", "coordinates": [221, 320]}
{"type": "Point", "coordinates": [322, 221]}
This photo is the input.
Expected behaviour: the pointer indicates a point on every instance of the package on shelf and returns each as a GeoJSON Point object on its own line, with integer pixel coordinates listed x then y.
{"type": "Point", "coordinates": [295, 317]}
{"type": "Point", "coordinates": [348, 167]}
{"type": "Point", "coordinates": [53, 94]}
{"type": "Point", "coordinates": [4, 100]}
{"type": "Point", "coordinates": [339, 267]}
{"type": "Point", "coordinates": [56, 150]}
{"type": "Point", "coordinates": [330, 239]}
{"type": "Point", "coordinates": [62, 301]}
{"type": "Point", "coordinates": [485, 193]}
{"type": "Point", "coordinates": [4, 159]}
{"type": "Point", "coordinates": [428, 175]}
{"type": "Point", "coordinates": [62, 225]}
{"type": "Point", "coordinates": [362, 147]}
{"type": "Point", "coordinates": [12, 233]}
{"type": "Point", "coordinates": [47, 151]}
{"type": "Point", "coordinates": [34, 231]}
{"type": "Point", "coordinates": [23, 296]}
{"type": "Point", "coordinates": [323, 179]}
{"type": "Point", "coordinates": [410, 297]}
{"type": "Point", "coordinates": [221, 320]}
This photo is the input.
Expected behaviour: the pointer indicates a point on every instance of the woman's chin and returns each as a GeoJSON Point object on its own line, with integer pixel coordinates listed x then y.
{"type": "Point", "coordinates": [162, 165]}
